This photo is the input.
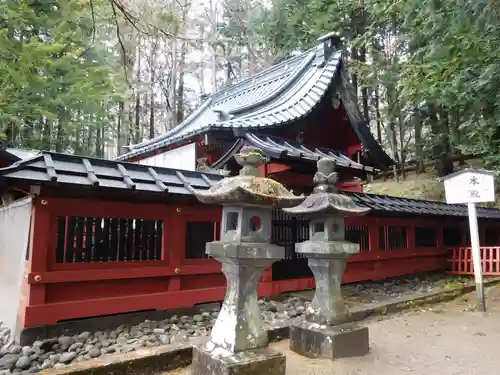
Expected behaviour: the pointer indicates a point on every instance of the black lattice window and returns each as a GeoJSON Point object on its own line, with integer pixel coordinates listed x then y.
{"type": "Point", "coordinates": [490, 237]}
{"type": "Point", "coordinates": [90, 239]}
{"type": "Point", "coordinates": [359, 234]}
{"type": "Point", "coordinates": [452, 237]}
{"type": "Point", "coordinates": [287, 230]}
{"type": "Point", "coordinates": [198, 233]}
{"type": "Point", "coordinates": [425, 237]}
{"type": "Point", "coordinates": [393, 237]}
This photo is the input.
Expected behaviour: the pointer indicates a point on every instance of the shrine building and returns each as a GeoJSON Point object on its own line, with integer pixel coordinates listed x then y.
{"type": "Point", "coordinates": [107, 237]}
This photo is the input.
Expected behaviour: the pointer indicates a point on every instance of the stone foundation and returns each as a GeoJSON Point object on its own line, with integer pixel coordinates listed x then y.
{"type": "Point", "coordinates": [262, 361]}
{"type": "Point", "coordinates": [332, 342]}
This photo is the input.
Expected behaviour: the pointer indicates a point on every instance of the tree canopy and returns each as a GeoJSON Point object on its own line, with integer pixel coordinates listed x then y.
{"type": "Point", "coordinates": [90, 76]}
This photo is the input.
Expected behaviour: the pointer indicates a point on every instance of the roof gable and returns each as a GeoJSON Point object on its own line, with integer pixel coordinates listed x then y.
{"type": "Point", "coordinates": [280, 94]}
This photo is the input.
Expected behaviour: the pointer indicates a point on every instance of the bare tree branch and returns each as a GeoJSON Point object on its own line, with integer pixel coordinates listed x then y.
{"type": "Point", "coordinates": [120, 41]}
{"type": "Point", "coordinates": [135, 22]}
{"type": "Point", "coordinates": [92, 12]}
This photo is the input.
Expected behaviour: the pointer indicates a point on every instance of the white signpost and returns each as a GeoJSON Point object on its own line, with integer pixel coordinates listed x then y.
{"type": "Point", "coordinates": [472, 186]}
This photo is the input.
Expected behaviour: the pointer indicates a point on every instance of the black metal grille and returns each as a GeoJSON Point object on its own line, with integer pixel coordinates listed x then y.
{"type": "Point", "coordinates": [89, 239]}
{"type": "Point", "coordinates": [392, 238]}
{"type": "Point", "coordinates": [452, 236]}
{"type": "Point", "coordinates": [287, 231]}
{"type": "Point", "coordinates": [198, 233]}
{"type": "Point", "coordinates": [359, 234]}
{"type": "Point", "coordinates": [490, 237]}
{"type": "Point", "coordinates": [425, 237]}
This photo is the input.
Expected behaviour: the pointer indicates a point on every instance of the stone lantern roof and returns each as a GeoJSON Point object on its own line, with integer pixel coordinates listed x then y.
{"type": "Point", "coordinates": [326, 198]}
{"type": "Point", "coordinates": [248, 189]}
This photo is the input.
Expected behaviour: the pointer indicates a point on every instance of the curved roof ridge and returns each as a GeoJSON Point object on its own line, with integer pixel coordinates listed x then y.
{"type": "Point", "coordinates": [266, 72]}
{"type": "Point", "coordinates": [169, 132]}
{"type": "Point", "coordinates": [306, 56]}
{"type": "Point", "coordinates": [287, 82]}
{"type": "Point", "coordinates": [324, 76]}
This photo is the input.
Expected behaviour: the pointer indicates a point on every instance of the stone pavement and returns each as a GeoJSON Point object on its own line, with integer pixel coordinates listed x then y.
{"type": "Point", "coordinates": [445, 339]}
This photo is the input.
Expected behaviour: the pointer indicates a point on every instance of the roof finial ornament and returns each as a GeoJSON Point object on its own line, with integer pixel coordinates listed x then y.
{"type": "Point", "coordinates": [333, 39]}
{"type": "Point", "coordinates": [326, 177]}
{"type": "Point", "coordinates": [329, 43]}
{"type": "Point", "coordinates": [250, 158]}
{"type": "Point", "coordinates": [222, 114]}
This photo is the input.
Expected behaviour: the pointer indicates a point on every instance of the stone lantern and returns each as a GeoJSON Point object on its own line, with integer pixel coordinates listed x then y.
{"type": "Point", "coordinates": [238, 341]}
{"type": "Point", "coordinates": [325, 333]}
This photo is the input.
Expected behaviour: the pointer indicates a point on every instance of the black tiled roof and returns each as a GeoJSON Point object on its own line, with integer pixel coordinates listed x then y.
{"type": "Point", "coordinates": [70, 170]}
{"type": "Point", "coordinates": [389, 204]}
{"type": "Point", "coordinates": [279, 148]}
{"type": "Point", "coordinates": [282, 94]}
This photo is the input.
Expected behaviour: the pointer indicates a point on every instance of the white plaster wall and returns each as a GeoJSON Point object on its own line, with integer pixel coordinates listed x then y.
{"type": "Point", "coordinates": [183, 157]}
{"type": "Point", "coordinates": [14, 234]}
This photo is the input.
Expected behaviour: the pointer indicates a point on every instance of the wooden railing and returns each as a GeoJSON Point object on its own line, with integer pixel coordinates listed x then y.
{"type": "Point", "coordinates": [461, 261]}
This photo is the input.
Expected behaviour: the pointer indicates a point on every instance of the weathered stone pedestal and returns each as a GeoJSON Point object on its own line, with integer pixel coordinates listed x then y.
{"type": "Point", "coordinates": [326, 332]}
{"type": "Point", "coordinates": [210, 360]}
{"type": "Point", "coordinates": [238, 341]}
{"type": "Point", "coordinates": [313, 340]}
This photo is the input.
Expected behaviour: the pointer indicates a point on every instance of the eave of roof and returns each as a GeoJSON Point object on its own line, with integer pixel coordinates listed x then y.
{"type": "Point", "coordinates": [70, 170]}
{"type": "Point", "coordinates": [278, 147]}
{"type": "Point", "coordinates": [64, 170]}
{"type": "Point", "coordinates": [15, 154]}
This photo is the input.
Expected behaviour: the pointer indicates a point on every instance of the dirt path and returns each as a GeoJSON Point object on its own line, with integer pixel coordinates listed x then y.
{"type": "Point", "coordinates": [446, 339]}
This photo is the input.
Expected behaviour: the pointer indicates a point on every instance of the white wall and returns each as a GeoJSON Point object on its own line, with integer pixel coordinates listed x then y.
{"type": "Point", "coordinates": [14, 233]}
{"type": "Point", "coordinates": [183, 157]}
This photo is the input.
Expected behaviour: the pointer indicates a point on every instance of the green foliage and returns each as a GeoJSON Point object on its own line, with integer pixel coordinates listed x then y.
{"type": "Point", "coordinates": [438, 58]}
{"type": "Point", "coordinates": [55, 80]}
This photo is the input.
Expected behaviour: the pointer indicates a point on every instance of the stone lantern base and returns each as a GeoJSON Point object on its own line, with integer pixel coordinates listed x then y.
{"type": "Point", "coordinates": [321, 341]}
{"type": "Point", "coordinates": [262, 361]}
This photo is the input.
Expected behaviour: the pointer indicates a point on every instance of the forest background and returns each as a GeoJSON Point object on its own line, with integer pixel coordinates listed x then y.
{"type": "Point", "coordinates": [90, 76]}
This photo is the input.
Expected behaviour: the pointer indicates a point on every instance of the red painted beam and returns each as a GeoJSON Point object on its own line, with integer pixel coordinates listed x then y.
{"type": "Point", "coordinates": [121, 273]}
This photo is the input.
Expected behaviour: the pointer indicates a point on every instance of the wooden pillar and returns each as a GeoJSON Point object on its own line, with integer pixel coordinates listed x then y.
{"type": "Point", "coordinates": [174, 245]}
{"type": "Point", "coordinates": [41, 240]}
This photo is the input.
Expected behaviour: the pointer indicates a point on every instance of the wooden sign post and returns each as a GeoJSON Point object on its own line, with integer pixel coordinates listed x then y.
{"type": "Point", "coordinates": [472, 186]}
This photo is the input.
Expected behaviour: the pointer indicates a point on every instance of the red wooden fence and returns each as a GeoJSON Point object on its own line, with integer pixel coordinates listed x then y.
{"type": "Point", "coordinates": [461, 261]}
{"type": "Point", "coordinates": [93, 257]}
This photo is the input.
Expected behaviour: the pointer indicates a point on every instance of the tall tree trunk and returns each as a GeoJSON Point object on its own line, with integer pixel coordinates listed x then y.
{"type": "Point", "coordinates": [151, 117]}
{"type": "Point", "coordinates": [180, 90]}
{"type": "Point", "coordinates": [152, 82]}
{"type": "Point", "coordinates": [213, 62]}
{"type": "Point", "coordinates": [436, 132]}
{"type": "Point", "coordinates": [98, 140]}
{"type": "Point", "coordinates": [122, 135]}
{"type": "Point", "coordinates": [379, 117]}
{"type": "Point", "coordinates": [60, 133]}
{"type": "Point", "coordinates": [445, 131]}
{"type": "Point", "coordinates": [137, 122]}
{"type": "Point", "coordinates": [173, 85]}
{"type": "Point", "coordinates": [46, 135]}
{"type": "Point", "coordinates": [355, 83]}
{"type": "Point", "coordinates": [419, 150]}
{"type": "Point", "coordinates": [402, 132]}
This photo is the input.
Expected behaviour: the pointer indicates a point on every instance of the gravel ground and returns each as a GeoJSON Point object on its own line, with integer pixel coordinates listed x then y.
{"type": "Point", "coordinates": [447, 339]}
{"type": "Point", "coordinates": [60, 351]}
